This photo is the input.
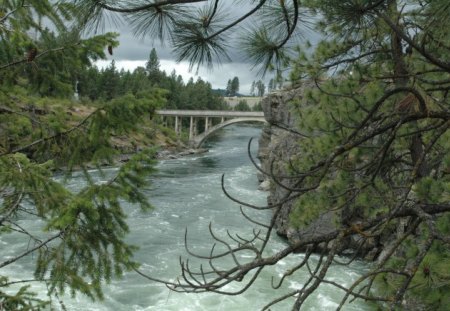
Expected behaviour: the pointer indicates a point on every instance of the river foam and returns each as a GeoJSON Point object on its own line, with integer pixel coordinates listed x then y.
{"type": "Point", "coordinates": [186, 193]}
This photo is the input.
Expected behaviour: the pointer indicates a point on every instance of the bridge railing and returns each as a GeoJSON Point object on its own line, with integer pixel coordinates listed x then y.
{"type": "Point", "coordinates": [194, 115]}
{"type": "Point", "coordinates": [210, 113]}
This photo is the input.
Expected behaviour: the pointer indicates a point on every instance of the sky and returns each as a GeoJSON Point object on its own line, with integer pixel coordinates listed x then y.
{"type": "Point", "coordinates": [134, 52]}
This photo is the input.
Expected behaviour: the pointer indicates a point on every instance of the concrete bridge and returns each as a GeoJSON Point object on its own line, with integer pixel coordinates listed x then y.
{"type": "Point", "coordinates": [226, 118]}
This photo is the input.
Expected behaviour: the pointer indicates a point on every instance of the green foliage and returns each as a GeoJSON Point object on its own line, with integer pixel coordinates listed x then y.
{"type": "Point", "coordinates": [263, 46]}
{"type": "Point", "coordinates": [431, 190]}
{"type": "Point", "coordinates": [196, 38]}
{"type": "Point", "coordinates": [23, 299]}
{"type": "Point", "coordinates": [373, 121]}
{"type": "Point", "coordinates": [242, 106]}
{"type": "Point", "coordinates": [232, 87]}
{"type": "Point", "coordinates": [109, 83]}
{"type": "Point", "coordinates": [168, 132]}
{"type": "Point", "coordinates": [80, 244]}
{"type": "Point", "coordinates": [257, 107]}
{"type": "Point", "coordinates": [361, 157]}
{"type": "Point", "coordinates": [152, 67]}
{"type": "Point", "coordinates": [93, 227]}
{"type": "Point", "coordinates": [259, 88]}
{"type": "Point", "coordinates": [431, 281]}
{"type": "Point", "coordinates": [49, 61]}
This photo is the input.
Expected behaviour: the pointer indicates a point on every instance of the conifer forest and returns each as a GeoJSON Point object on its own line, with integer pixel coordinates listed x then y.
{"type": "Point", "coordinates": [362, 88]}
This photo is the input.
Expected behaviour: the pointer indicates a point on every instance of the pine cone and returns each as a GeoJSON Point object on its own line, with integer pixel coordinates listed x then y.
{"type": "Point", "coordinates": [31, 55]}
{"type": "Point", "coordinates": [406, 104]}
{"type": "Point", "coordinates": [110, 49]}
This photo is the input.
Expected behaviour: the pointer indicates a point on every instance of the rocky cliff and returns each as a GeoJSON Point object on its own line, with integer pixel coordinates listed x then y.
{"type": "Point", "coordinates": [278, 144]}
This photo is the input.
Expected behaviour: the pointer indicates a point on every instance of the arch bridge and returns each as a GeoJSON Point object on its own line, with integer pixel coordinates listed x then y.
{"type": "Point", "coordinates": [226, 118]}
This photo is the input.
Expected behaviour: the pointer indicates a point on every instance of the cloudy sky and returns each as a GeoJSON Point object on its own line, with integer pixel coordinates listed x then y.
{"type": "Point", "coordinates": [134, 51]}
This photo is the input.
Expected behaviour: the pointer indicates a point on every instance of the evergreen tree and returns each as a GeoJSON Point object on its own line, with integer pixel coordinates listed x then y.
{"type": "Point", "coordinates": [152, 67]}
{"type": "Point", "coordinates": [82, 242]}
{"type": "Point", "coordinates": [229, 88]}
{"type": "Point", "coordinates": [242, 106]}
{"type": "Point", "coordinates": [257, 107]}
{"type": "Point", "coordinates": [271, 87]}
{"type": "Point", "coordinates": [373, 123]}
{"type": "Point", "coordinates": [110, 82]}
{"type": "Point", "coordinates": [234, 86]}
{"type": "Point", "coordinates": [252, 89]}
{"type": "Point", "coordinates": [260, 88]}
{"type": "Point", "coordinates": [139, 81]}
{"type": "Point", "coordinates": [89, 83]}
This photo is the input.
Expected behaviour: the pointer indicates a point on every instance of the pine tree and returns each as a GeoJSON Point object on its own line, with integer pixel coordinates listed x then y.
{"type": "Point", "coordinates": [82, 243]}
{"type": "Point", "coordinates": [373, 126]}
{"type": "Point", "coordinates": [229, 89]}
{"type": "Point", "coordinates": [271, 86]}
{"type": "Point", "coordinates": [152, 67]}
{"type": "Point", "coordinates": [252, 89]}
{"type": "Point", "coordinates": [234, 86]}
{"type": "Point", "coordinates": [260, 88]}
{"type": "Point", "coordinates": [110, 82]}
{"type": "Point", "coordinates": [242, 106]}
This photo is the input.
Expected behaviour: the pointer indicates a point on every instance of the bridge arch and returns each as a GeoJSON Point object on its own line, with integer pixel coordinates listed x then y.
{"type": "Point", "coordinates": [227, 117]}
{"type": "Point", "coordinates": [200, 139]}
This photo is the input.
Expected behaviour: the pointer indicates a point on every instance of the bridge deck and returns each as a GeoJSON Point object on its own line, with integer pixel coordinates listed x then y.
{"type": "Point", "coordinates": [210, 113]}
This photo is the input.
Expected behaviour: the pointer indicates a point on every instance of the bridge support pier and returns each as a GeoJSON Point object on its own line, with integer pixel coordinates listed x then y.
{"type": "Point", "coordinates": [192, 128]}
{"type": "Point", "coordinates": [177, 126]}
{"type": "Point", "coordinates": [226, 117]}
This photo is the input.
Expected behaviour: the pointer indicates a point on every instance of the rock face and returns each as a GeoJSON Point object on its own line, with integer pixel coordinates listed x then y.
{"type": "Point", "coordinates": [277, 146]}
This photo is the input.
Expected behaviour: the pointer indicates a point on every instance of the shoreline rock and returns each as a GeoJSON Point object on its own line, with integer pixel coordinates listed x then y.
{"type": "Point", "coordinates": [276, 147]}
{"type": "Point", "coordinates": [167, 154]}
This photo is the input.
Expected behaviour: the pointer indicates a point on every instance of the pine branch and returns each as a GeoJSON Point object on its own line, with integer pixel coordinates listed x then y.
{"type": "Point", "coordinates": [25, 59]}
{"type": "Point", "coordinates": [239, 20]}
{"type": "Point", "coordinates": [60, 134]}
{"type": "Point", "coordinates": [44, 243]}
{"type": "Point", "coordinates": [434, 60]}
{"type": "Point", "coordinates": [7, 15]}
{"type": "Point", "coordinates": [143, 7]}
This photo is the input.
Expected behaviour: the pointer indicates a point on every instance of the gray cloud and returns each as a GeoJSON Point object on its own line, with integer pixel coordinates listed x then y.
{"type": "Point", "coordinates": [138, 49]}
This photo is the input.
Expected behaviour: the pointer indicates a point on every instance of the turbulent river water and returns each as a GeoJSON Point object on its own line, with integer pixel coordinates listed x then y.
{"type": "Point", "coordinates": [186, 193]}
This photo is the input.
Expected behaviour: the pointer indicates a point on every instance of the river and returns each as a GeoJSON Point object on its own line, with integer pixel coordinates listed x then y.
{"type": "Point", "coordinates": [186, 193]}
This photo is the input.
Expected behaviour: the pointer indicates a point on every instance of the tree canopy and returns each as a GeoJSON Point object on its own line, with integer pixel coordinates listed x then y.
{"type": "Point", "coordinates": [373, 132]}
{"type": "Point", "coordinates": [372, 126]}
{"type": "Point", "coordinates": [81, 242]}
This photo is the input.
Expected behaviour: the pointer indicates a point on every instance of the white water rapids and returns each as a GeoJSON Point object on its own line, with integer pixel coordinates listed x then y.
{"type": "Point", "coordinates": [186, 193]}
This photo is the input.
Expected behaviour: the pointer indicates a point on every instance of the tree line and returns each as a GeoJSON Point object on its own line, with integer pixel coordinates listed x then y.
{"type": "Point", "coordinates": [372, 130]}
{"type": "Point", "coordinates": [109, 83]}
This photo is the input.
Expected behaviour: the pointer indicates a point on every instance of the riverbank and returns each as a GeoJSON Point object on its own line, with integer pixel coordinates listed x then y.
{"type": "Point", "coordinates": [186, 194]}
{"type": "Point", "coordinates": [150, 134]}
